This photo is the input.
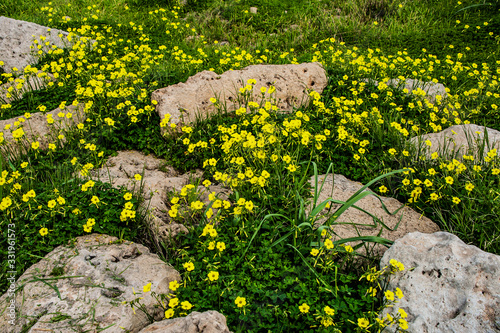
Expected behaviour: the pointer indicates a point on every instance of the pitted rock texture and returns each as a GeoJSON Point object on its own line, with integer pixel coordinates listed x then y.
{"type": "Point", "coordinates": [452, 287]}
{"type": "Point", "coordinates": [342, 189]}
{"type": "Point", "coordinates": [16, 38]}
{"type": "Point", "coordinates": [157, 179]}
{"type": "Point", "coordinates": [95, 277]}
{"type": "Point", "coordinates": [195, 322]}
{"type": "Point", "coordinates": [36, 128]}
{"type": "Point", "coordinates": [455, 141]}
{"type": "Point", "coordinates": [185, 101]}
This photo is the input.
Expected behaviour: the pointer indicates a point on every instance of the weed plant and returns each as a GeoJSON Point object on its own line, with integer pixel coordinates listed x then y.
{"type": "Point", "coordinates": [260, 256]}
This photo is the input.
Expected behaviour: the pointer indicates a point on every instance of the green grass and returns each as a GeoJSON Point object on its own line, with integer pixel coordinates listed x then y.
{"type": "Point", "coordinates": [358, 130]}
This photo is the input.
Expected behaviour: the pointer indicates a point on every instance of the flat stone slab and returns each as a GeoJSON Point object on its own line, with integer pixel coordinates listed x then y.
{"type": "Point", "coordinates": [344, 188]}
{"type": "Point", "coordinates": [95, 277]}
{"type": "Point", "coordinates": [448, 286]}
{"type": "Point", "coordinates": [185, 101]}
{"type": "Point", "coordinates": [16, 38]}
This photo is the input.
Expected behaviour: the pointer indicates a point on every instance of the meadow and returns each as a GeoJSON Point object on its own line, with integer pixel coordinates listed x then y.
{"type": "Point", "coordinates": [294, 277]}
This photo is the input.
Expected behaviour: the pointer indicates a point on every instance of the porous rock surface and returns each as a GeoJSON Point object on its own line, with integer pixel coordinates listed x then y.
{"type": "Point", "coordinates": [157, 180]}
{"type": "Point", "coordinates": [16, 37]}
{"type": "Point", "coordinates": [36, 128]}
{"type": "Point", "coordinates": [184, 101]}
{"type": "Point", "coordinates": [452, 287]}
{"type": "Point", "coordinates": [98, 274]}
{"type": "Point", "coordinates": [195, 322]}
{"type": "Point", "coordinates": [455, 141]}
{"type": "Point", "coordinates": [342, 189]}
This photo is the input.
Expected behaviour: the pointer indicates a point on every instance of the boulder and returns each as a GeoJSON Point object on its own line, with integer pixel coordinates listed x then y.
{"type": "Point", "coordinates": [83, 287]}
{"type": "Point", "coordinates": [157, 180]}
{"type": "Point", "coordinates": [343, 188]}
{"type": "Point", "coordinates": [431, 89]}
{"type": "Point", "coordinates": [184, 102]}
{"type": "Point", "coordinates": [195, 322]}
{"type": "Point", "coordinates": [36, 128]}
{"type": "Point", "coordinates": [17, 38]}
{"type": "Point", "coordinates": [448, 286]}
{"type": "Point", "coordinates": [455, 141]}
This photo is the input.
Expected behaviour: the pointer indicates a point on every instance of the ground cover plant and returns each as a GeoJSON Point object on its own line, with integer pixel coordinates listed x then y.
{"type": "Point", "coordinates": [355, 128]}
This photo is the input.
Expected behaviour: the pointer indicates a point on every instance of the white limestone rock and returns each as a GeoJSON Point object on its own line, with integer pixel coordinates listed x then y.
{"type": "Point", "coordinates": [195, 322]}
{"type": "Point", "coordinates": [185, 101]}
{"type": "Point", "coordinates": [344, 188]}
{"type": "Point", "coordinates": [96, 276]}
{"type": "Point", "coordinates": [448, 286]}
{"type": "Point", "coordinates": [16, 37]}
{"type": "Point", "coordinates": [455, 141]}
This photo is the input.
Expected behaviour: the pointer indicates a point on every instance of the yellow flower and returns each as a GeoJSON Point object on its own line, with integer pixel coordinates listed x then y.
{"type": "Point", "coordinates": [329, 311]}
{"type": "Point", "coordinates": [137, 177]}
{"type": "Point", "coordinates": [314, 252]}
{"type": "Point", "coordinates": [382, 189]}
{"type": "Point", "coordinates": [43, 231]}
{"type": "Point", "coordinates": [240, 301]}
{"type": "Point", "coordinates": [147, 288]}
{"type": "Point", "coordinates": [213, 276]}
{"type": "Point", "coordinates": [402, 312]}
{"type": "Point", "coordinates": [389, 295]}
{"type": "Point", "coordinates": [221, 246]}
{"type": "Point", "coordinates": [173, 302]}
{"type": "Point", "coordinates": [35, 145]}
{"type": "Point", "coordinates": [173, 285]}
{"type": "Point", "coordinates": [469, 187]}
{"type": "Point", "coordinates": [456, 200]}
{"type": "Point", "coordinates": [94, 200]}
{"type": "Point", "coordinates": [196, 205]}
{"type": "Point", "coordinates": [449, 180]}
{"type": "Point", "coordinates": [304, 308]}
{"type": "Point", "coordinates": [51, 204]}
{"type": "Point", "coordinates": [403, 324]}
{"type": "Point", "coordinates": [186, 305]}
{"type": "Point", "coordinates": [363, 322]}
{"type": "Point", "coordinates": [349, 249]}
{"type": "Point", "coordinates": [169, 313]}
{"type": "Point", "coordinates": [127, 196]}
{"type": "Point", "coordinates": [189, 266]}
{"type": "Point", "coordinates": [328, 244]}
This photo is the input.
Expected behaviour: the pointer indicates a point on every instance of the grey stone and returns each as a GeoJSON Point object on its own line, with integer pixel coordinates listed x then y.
{"type": "Point", "coordinates": [157, 180]}
{"type": "Point", "coordinates": [195, 322]}
{"type": "Point", "coordinates": [455, 141]}
{"type": "Point", "coordinates": [431, 89]}
{"type": "Point", "coordinates": [16, 39]}
{"type": "Point", "coordinates": [185, 101]}
{"type": "Point", "coordinates": [88, 295]}
{"type": "Point", "coordinates": [448, 286]}
{"type": "Point", "coordinates": [253, 10]}
{"type": "Point", "coordinates": [343, 189]}
{"type": "Point", "coordinates": [36, 128]}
